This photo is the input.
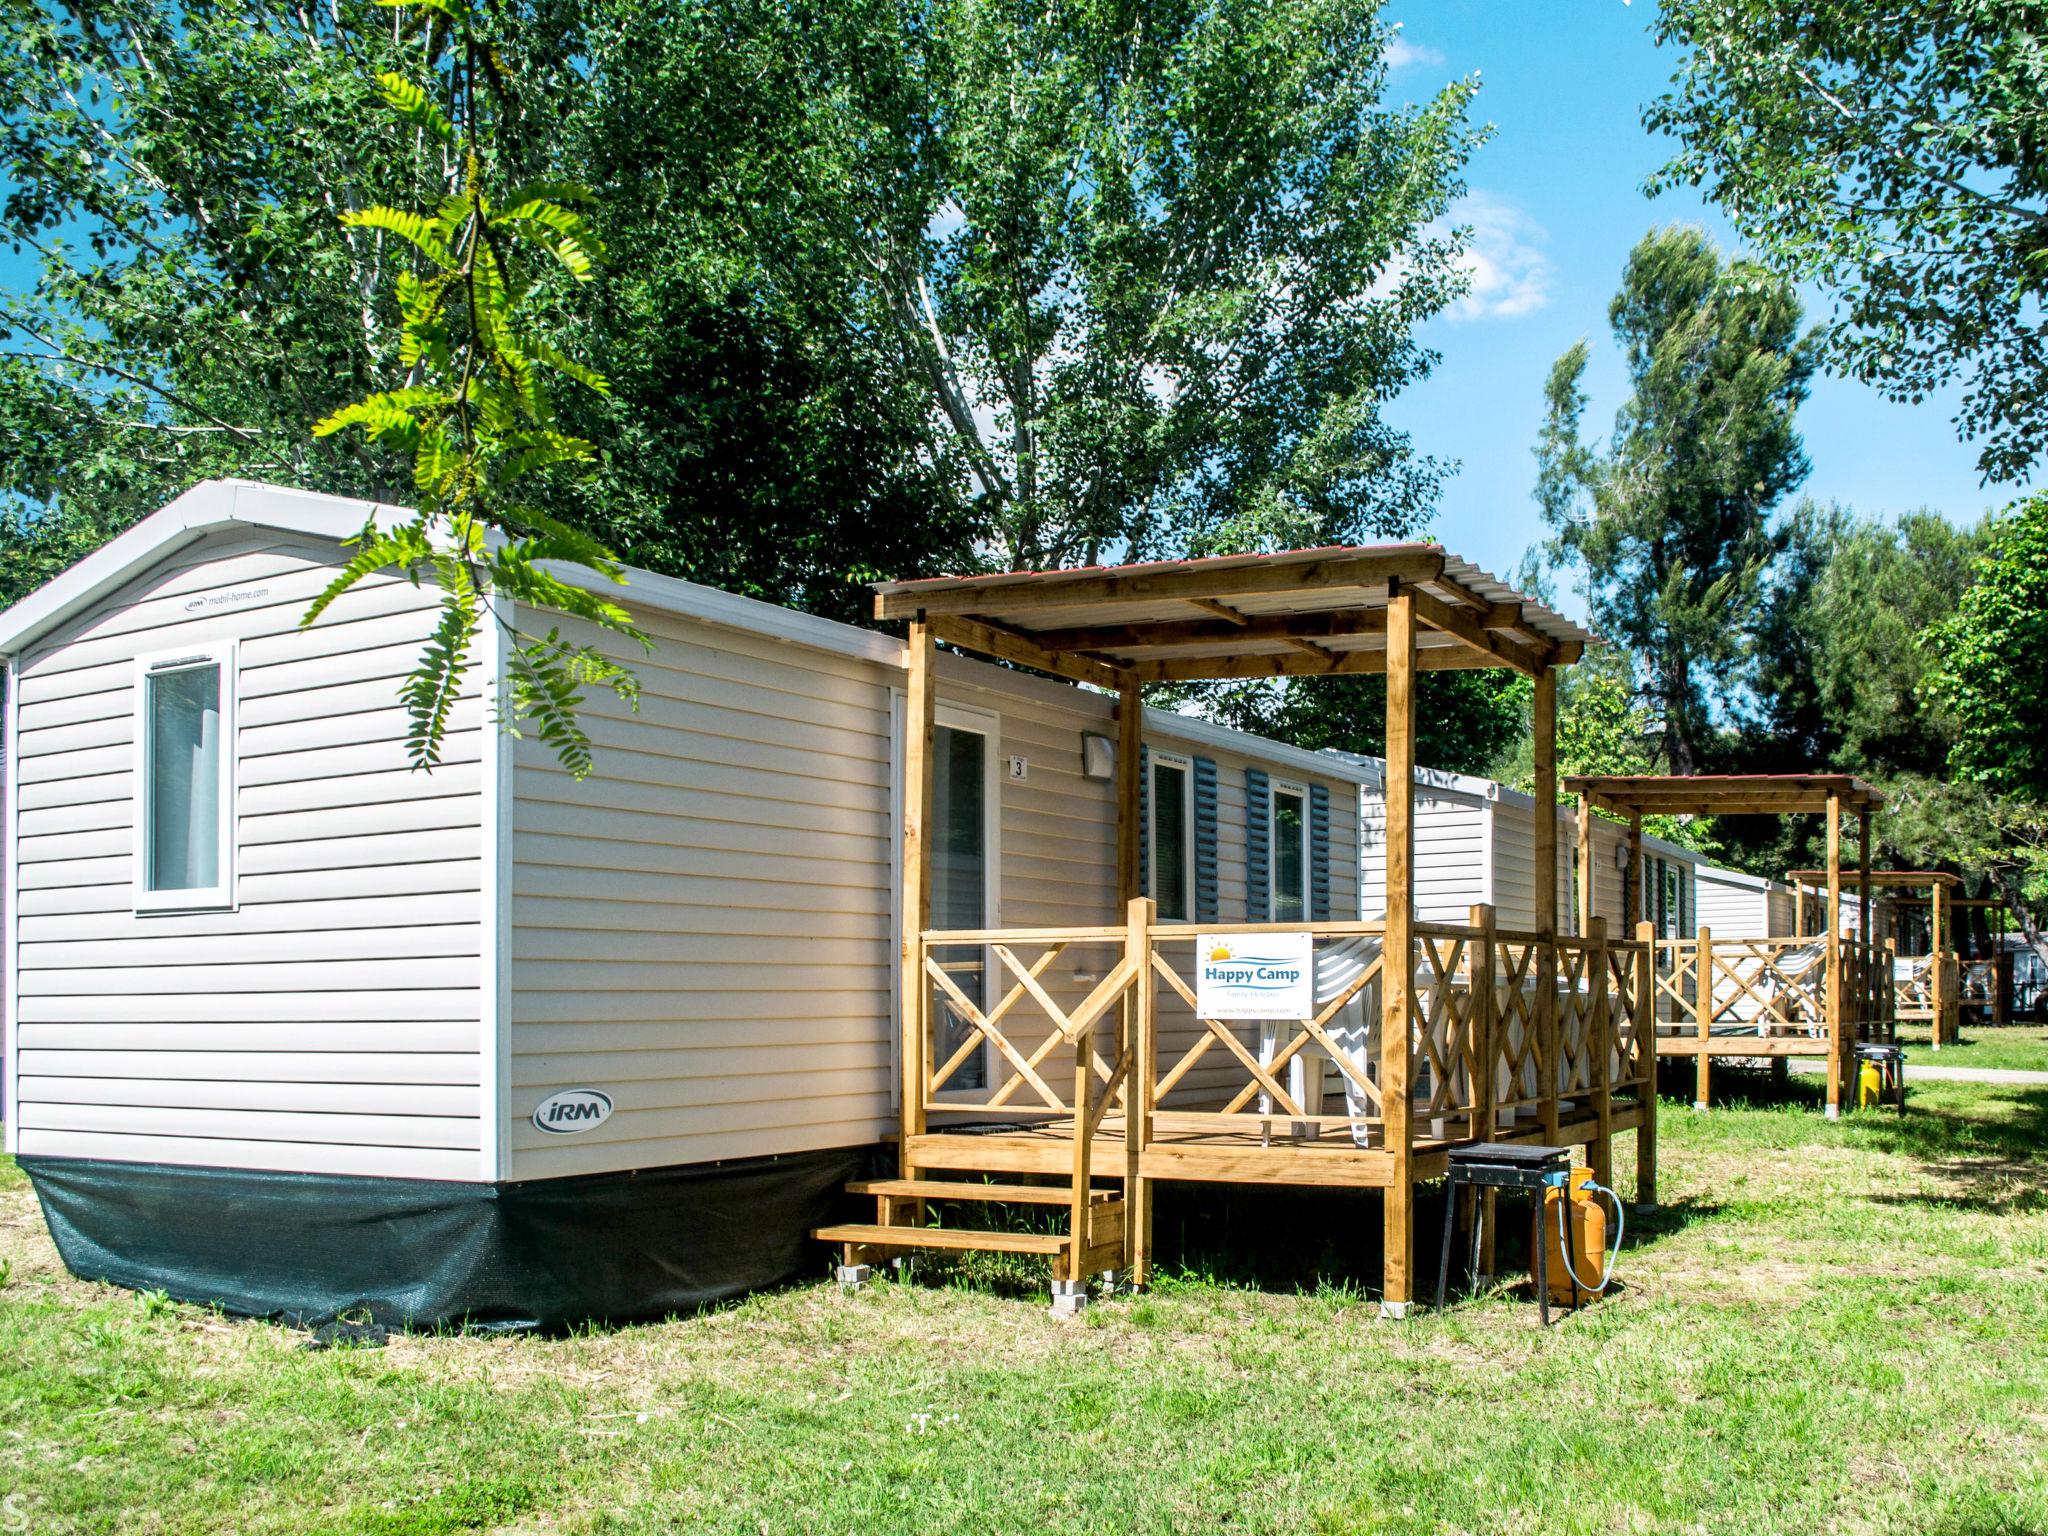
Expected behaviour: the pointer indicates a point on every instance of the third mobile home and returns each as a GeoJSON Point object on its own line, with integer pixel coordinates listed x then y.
{"type": "Point", "coordinates": [1475, 844]}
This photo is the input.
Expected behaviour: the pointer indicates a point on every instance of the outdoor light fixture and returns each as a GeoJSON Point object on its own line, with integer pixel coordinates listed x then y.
{"type": "Point", "coordinates": [1098, 756]}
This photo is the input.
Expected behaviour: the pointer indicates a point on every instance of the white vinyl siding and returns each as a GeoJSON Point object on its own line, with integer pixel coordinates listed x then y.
{"type": "Point", "coordinates": [1450, 852]}
{"type": "Point", "coordinates": [702, 929]}
{"type": "Point", "coordinates": [329, 1022]}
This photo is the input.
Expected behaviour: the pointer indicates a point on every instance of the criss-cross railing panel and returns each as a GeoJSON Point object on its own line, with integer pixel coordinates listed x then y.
{"type": "Point", "coordinates": [1632, 1058]}
{"type": "Point", "coordinates": [999, 1057]}
{"type": "Point", "coordinates": [1239, 1073]}
{"type": "Point", "coordinates": [1517, 1046]}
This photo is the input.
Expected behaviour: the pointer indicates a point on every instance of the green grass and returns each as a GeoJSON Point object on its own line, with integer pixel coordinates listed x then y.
{"type": "Point", "coordinates": [2021, 1047]}
{"type": "Point", "coordinates": [1827, 1327]}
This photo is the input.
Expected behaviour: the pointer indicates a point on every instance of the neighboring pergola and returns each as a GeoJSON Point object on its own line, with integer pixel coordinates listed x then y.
{"type": "Point", "coordinates": [1392, 610]}
{"type": "Point", "coordinates": [1634, 796]}
{"type": "Point", "coordinates": [1942, 888]}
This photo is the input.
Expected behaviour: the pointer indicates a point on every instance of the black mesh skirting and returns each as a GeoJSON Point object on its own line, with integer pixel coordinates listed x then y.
{"type": "Point", "coordinates": [421, 1253]}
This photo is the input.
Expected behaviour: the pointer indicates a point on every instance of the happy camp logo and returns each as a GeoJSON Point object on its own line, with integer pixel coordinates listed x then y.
{"type": "Point", "coordinates": [1258, 973]}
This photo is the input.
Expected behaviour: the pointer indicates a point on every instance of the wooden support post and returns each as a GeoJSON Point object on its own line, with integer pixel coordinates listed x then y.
{"type": "Point", "coordinates": [1937, 978]}
{"type": "Point", "coordinates": [1130, 754]}
{"type": "Point", "coordinates": [1837, 1065]}
{"type": "Point", "coordinates": [1584, 864]}
{"type": "Point", "coordinates": [1866, 1011]}
{"type": "Point", "coordinates": [1480, 957]}
{"type": "Point", "coordinates": [1600, 1040]}
{"type": "Point", "coordinates": [1646, 1040]}
{"type": "Point", "coordinates": [1543, 725]}
{"type": "Point", "coordinates": [1078, 1215]}
{"type": "Point", "coordinates": [1138, 1085]}
{"type": "Point", "coordinates": [1398, 955]}
{"type": "Point", "coordinates": [1703, 1014]}
{"type": "Point", "coordinates": [920, 721]}
{"type": "Point", "coordinates": [1136, 1008]}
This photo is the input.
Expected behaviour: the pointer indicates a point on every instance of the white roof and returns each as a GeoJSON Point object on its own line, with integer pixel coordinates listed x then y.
{"type": "Point", "coordinates": [218, 506]}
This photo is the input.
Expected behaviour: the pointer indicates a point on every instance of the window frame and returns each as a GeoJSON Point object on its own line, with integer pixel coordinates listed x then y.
{"type": "Point", "coordinates": [1275, 788]}
{"type": "Point", "coordinates": [222, 896]}
{"type": "Point", "coordinates": [1184, 765]}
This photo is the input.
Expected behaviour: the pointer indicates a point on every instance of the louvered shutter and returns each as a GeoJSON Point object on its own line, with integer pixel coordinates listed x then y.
{"type": "Point", "coordinates": [1319, 853]}
{"type": "Point", "coordinates": [1258, 836]}
{"type": "Point", "coordinates": [1144, 821]}
{"type": "Point", "coordinates": [1205, 841]}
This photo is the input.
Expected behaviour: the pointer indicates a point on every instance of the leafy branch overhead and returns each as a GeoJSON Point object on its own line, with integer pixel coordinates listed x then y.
{"type": "Point", "coordinates": [476, 415]}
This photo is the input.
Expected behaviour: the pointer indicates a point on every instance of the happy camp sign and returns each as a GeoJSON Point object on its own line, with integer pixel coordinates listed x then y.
{"type": "Point", "coordinates": [1255, 976]}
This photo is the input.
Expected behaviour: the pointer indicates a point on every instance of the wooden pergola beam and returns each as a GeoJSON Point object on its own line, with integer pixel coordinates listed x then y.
{"type": "Point", "coordinates": [1345, 664]}
{"type": "Point", "coordinates": [1013, 645]}
{"type": "Point", "coordinates": [1251, 579]}
{"type": "Point", "coordinates": [1440, 615]}
{"type": "Point", "coordinates": [1135, 637]}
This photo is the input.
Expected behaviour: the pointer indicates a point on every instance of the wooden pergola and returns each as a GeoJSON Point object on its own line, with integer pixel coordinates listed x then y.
{"type": "Point", "coordinates": [1392, 610]}
{"type": "Point", "coordinates": [1942, 888]}
{"type": "Point", "coordinates": [1631, 797]}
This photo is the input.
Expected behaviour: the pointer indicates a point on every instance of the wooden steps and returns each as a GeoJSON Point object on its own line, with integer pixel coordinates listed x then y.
{"type": "Point", "coordinates": [966, 1239]}
{"type": "Point", "coordinates": [899, 1227]}
{"type": "Point", "coordinates": [962, 1189]}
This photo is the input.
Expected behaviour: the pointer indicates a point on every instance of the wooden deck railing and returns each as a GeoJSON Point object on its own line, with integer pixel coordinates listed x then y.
{"type": "Point", "coordinates": [1929, 987]}
{"type": "Point", "coordinates": [1772, 988]}
{"type": "Point", "coordinates": [1084, 1016]}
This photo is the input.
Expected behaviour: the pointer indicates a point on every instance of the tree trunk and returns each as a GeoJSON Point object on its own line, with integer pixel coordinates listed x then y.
{"type": "Point", "coordinates": [2017, 905]}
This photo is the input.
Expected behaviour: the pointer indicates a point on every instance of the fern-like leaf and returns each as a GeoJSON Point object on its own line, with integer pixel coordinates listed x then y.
{"type": "Point", "coordinates": [411, 102]}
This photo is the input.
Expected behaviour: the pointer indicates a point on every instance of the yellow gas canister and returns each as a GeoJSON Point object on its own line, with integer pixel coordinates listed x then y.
{"type": "Point", "coordinates": [1869, 1086]}
{"type": "Point", "coordinates": [1585, 1224]}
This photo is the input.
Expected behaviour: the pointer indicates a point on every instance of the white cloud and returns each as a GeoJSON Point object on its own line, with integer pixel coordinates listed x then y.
{"type": "Point", "coordinates": [1402, 54]}
{"type": "Point", "coordinates": [1510, 274]}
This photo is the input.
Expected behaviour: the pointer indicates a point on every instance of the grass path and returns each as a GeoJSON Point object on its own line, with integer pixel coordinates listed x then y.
{"type": "Point", "coordinates": [1829, 1327]}
{"type": "Point", "coordinates": [2007, 1047]}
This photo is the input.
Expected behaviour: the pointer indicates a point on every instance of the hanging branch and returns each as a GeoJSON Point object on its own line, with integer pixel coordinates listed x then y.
{"type": "Point", "coordinates": [476, 414]}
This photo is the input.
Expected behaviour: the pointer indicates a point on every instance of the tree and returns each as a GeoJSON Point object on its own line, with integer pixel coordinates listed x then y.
{"type": "Point", "coordinates": [1601, 728]}
{"type": "Point", "coordinates": [1463, 720]}
{"type": "Point", "coordinates": [1156, 266]}
{"type": "Point", "coordinates": [1894, 156]}
{"type": "Point", "coordinates": [1839, 649]}
{"type": "Point", "coordinates": [178, 176]}
{"type": "Point", "coordinates": [476, 412]}
{"type": "Point", "coordinates": [1668, 527]}
{"type": "Point", "coordinates": [1991, 655]}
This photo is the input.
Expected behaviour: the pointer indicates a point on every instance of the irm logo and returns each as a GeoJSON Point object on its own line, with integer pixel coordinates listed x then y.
{"type": "Point", "coordinates": [572, 1110]}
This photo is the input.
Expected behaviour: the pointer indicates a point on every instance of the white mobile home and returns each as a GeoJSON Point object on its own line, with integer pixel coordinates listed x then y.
{"type": "Point", "coordinates": [1475, 843]}
{"type": "Point", "coordinates": [1740, 906]}
{"type": "Point", "coordinates": [295, 1028]}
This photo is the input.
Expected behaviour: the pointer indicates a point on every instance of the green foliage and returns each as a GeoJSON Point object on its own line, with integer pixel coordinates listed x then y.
{"type": "Point", "coordinates": [1668, 527]}
{"type": "Point", "coordinates": [1992, 661]}
{"type": "Point", "coordinates": [1153, 269]}
{"type": "Point", "coordinates": [1839, 647]}
{"type": "Point", "coordinates": [1463, 720]}
{"type": "Point", "coordinates": [477, 416]}
{"type": "Point", "coordinates": [1894, 156]}
{"type": "Point", "coordinates": [1602, 727]}
{"type": "Point", "coordinates": [176, 176]}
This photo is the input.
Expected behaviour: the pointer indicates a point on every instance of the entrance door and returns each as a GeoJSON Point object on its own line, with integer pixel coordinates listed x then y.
{"type": "Point", "coordinates": [963, 878]}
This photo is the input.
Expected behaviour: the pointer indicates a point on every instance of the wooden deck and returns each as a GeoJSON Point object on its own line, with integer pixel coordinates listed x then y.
{"type": "Point", "coordinates": [1081, 1055]}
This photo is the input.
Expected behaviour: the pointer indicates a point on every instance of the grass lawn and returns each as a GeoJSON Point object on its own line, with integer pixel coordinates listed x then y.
{"type": "Point", "coordinates": [1828, 1327]}
{"type": "Point", "coordinates": [2018, 1046]}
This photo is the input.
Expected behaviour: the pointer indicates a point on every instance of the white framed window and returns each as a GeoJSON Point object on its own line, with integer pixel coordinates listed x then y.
{"type": "Point", "coordinates": [1170, 837]}
{"type": "Point", "coordinates": [185, 779]}
{"type": "Point", "coordinates": [1288, 824]}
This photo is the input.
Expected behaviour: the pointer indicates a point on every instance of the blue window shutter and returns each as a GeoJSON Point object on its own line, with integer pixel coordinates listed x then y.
{"type": "Point", "coordinates": [1319, 853]}
{"type": "Point", "coordinates": [1144, 821]}
{"type": "Point", "coordinates": [1205, 840]}
{"type": "Point", "coordinates": [1258, 835]}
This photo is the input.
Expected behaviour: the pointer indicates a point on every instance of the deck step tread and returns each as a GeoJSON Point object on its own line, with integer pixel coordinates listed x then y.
{"type": "Point", "coordinates": [965, 1238]}
{"type": "Point", "coordinates": [967, 1189]}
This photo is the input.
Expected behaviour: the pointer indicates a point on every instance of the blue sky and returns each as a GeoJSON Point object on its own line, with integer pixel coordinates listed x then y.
{"type": "Point", "coordinates": [1556, 197]}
